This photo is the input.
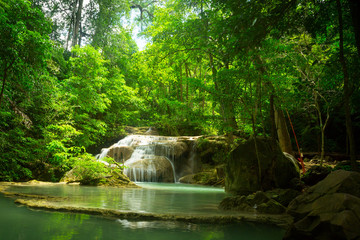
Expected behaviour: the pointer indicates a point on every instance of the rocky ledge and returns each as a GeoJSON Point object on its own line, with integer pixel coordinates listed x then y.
{"type": "Point", "coordinates": [278, 220]}
{"type": "Point", "coordinates": [328, 210]}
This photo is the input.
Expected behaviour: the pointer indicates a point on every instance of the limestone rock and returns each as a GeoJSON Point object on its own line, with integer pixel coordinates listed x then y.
{"type": "Point", "coordinates": [242, 174]}
{"type": "Point", "coordinates": [171, 149]}
{"type": "Point", "coordinates": [120, 153]}
{"type": "Point", "coordinates": [156, 169]}
{"type": "Point", "coordinates": [188, 179]}
{"type": "Point", "coordinates": [328, 210]}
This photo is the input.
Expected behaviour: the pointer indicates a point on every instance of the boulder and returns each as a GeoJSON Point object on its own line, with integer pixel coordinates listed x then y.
{"type": "Point", "coordinates": [171, 149]}
{"type": "Point", "coordinates": [188, 179]}
{"type": "Point", "coordinates": [242, 170]}
{"type": "Point", "coordinates": [120, 153]}
{"type": "Point", "coordinates": [115, 178]}
{"type": "Point", "coordinates": [156, 169]}
{"type": "Point", "coordinates": [203, 178]}
{"type": "Point", "coordinates": [259, 202]}
{"type": "Point", "coordinates": [328, 210]}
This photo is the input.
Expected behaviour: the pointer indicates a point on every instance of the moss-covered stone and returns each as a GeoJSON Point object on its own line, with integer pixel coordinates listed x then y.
{"type": "Point", "coordinates": [242, 169]}
{"type": "Point", "coordinates": [259, 202]}
{"type": "Point", "coordinates": [115, 178]}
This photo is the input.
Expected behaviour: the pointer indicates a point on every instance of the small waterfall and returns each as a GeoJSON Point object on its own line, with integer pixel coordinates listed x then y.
{"type": "Point", "coordinates": [147, 158]}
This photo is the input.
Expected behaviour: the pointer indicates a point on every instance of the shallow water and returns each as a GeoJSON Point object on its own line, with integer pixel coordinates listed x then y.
{"type": "Point", "coordinates": [19, 222]}
{"type": "Point", "coordinates": [162, 198]}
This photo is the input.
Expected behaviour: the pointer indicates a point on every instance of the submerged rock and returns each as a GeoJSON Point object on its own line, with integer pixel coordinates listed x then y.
{"type": "Point", "coordinates": [208, 177]}
{"type": "Point", "coordinates": [242, 170]}
{"type": "Point", "coordinates": [328, 210]}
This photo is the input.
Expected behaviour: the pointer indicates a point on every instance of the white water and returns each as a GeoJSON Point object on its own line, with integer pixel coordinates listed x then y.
{"type": "Point", "coordinates": [151, 158]}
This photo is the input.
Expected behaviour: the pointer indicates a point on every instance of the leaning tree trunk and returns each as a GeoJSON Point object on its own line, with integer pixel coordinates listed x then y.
{"type": "Point", "coordinates": [347, 93]}
{"type": "Point", "coordinates": [283, 133]}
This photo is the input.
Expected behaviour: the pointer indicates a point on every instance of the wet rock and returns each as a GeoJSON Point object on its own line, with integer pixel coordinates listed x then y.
{"type": "Point", "coordinates": [315, 174]}
{"type": "Point", "coordinates": [242, 171]}
{"type": "Point", "coordinates": [173, 149]}
{"type": "Point", "coordinates": [156, 169]}
{"type": "Point", "coordinates": [328, 210]}
{"type": "Point", "coordinates": [188, 179]}
{"type": "Point", "coordinates": [120, 153]}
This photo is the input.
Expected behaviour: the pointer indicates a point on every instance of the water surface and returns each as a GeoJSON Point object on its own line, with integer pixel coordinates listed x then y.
{"type": "Point", "coordinates": [162, 198]}
{"type": "Point", "coordinates": [19, 222]}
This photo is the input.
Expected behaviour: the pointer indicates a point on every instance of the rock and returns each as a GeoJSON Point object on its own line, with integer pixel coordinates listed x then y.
{"type": "Point", "coordinates": [242, 174]}
{"type": "Point", "coordinates": [115, 179]}
{"type": "Point", "coordinates": [206, 177]}
{"type": "Point", "coordinates": [328, 210]}
{"type": "Point", "coordinates": [283, 196]}
{"type": "Point", "coordinates": [188, 179]}
{"type": "Point", "coordinates": [70, 176]}
{"type": "Point", "coordinates": [315, 174]}
{"type": "Point", "coordinates": [156, 169]}
{"type": "Point", "coordinates": [271, 207]}
{"type": "Point", "coordinates": [171, 149]}
{"type": "Point", "coordinates": [120, 153]}
{"type": "Point", "coordinates": [237, 203]}
{"type": "Point", "coordinates": [259, 202]}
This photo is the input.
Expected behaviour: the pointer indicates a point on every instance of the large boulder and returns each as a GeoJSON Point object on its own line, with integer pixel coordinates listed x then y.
{"type": "Point", "coordinates": [120, 153]}
{"type": "Point", "coordinates": [328, 210]}
{"type": "Point", "coordinates": [114, 178]}
{"type": "Point", "coordinates": [156, 169]}
{"type": "Point", "coordinates": [242, 170]}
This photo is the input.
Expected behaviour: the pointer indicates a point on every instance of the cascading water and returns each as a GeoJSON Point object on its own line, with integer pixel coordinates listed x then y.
{"type": "Point", "coordinates": [148, 158]}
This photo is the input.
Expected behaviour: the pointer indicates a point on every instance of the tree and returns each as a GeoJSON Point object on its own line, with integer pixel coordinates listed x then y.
{"type": "Point", "coordinates": [25, 43]}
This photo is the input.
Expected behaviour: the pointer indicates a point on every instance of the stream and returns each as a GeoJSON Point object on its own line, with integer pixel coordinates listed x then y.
{"type": "Point", "coordinates": [20, 222]}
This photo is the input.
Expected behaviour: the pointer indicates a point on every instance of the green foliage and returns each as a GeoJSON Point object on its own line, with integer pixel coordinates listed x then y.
{"type": "Point", "coordinates": [90, 171]}
{"type": "Point", "coordinates": [209, 68]}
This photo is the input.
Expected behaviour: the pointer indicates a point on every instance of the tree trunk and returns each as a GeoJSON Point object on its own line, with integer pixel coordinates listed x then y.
{"type": "Point", "coordinates": [181, 84]}
{"type": "Point", "coordinates": [282, 131]}
{"type": "Point", "coordinates": [77, 23]}
{"type": "Point", "coordinates": [322, 127]}
{"type": "Point", "coordinates": [347, 93]}
{"type": "Point", "coordinates": [272, 118]}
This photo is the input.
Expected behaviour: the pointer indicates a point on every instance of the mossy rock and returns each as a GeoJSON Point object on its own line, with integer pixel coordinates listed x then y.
{"type": "Point", "coordinates": [259, 202]}
{"type": "Point", "coordinates": [242, 170]}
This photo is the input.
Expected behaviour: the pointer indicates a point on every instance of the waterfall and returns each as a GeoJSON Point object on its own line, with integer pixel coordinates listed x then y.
{"type": "Point", "coordinates": [149, 158]}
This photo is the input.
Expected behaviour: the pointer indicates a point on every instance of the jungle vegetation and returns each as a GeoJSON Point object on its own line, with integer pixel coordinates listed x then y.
{"type": "Point", "coordinates": [72, 76]}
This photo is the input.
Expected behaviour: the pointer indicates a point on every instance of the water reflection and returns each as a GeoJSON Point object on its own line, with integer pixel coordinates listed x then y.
{"type": "Point", "coordinates": [151, 198]}
{"type": "Point", "coordinates": [17, 222]}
